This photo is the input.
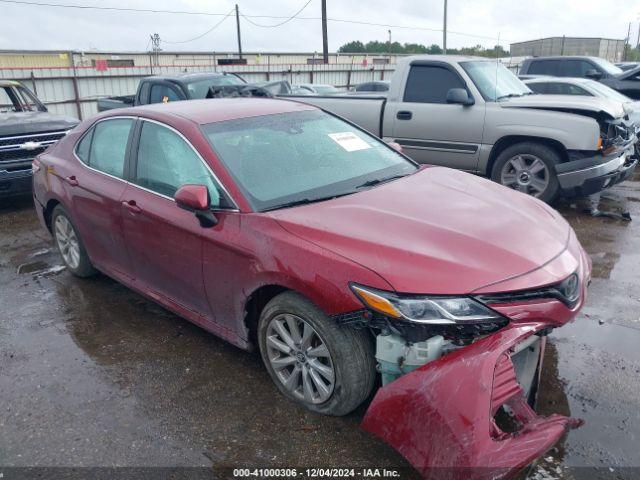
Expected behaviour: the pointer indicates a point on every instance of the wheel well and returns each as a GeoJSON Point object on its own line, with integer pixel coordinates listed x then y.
{"type": "Point", "coordinates": [506, 142]}
{"type": "Point", "coordinates": [254, 306]}
{"type": "Point", "coordinates": [48, 212]}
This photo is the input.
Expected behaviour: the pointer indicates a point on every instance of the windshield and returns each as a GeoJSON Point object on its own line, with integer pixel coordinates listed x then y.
{"type": "Point", "coordinates": [16, 98]}
{"type": "Point", "coordinates": [200, 88]}
{"type": "Point", "coordinates": [302, 156]}
{"type": "Point", "coordinates": [608, 92]}
{"type": "Point", "coordinates": [494, 81]}
{"type": "Point", "coordinates": [608, 67]}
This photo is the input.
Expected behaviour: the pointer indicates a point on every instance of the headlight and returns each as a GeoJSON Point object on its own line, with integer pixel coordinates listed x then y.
{"type": "Point", "coordinates": [569, 289]}
{"type": "Point", "coordinates": [427, 309]}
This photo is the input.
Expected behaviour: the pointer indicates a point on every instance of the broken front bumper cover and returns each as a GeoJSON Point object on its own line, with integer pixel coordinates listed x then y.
{"type": "Point", "coordinates": [593, 174]}
{"type": "Point", "coordinates": [441, 417]}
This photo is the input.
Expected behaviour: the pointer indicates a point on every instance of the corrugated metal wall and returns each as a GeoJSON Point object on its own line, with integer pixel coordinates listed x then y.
{"type": "Point", "coordinates": [74, 90]}
{"type": "Point", "coordinates": [609, 49]}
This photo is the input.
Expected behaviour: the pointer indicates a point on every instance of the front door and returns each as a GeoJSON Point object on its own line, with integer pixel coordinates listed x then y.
{"type": "Point", "coordinates": [431, 130]}
{"type": "Point", "coordinates": [164, 241]}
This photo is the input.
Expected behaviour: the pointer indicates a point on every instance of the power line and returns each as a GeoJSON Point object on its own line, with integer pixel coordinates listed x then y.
{"type": "Point", "coordinates": [205, 33]}
{"type": "Point", "coordinates": [246, 17]}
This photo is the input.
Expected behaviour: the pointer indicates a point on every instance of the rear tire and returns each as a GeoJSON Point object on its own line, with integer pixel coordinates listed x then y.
{"type": "Point", "coordinates": [70, 244]}
{"type": "Point", "coordinates": [529, 167]}
{"type": "Point", "coordinates": [349, 356]}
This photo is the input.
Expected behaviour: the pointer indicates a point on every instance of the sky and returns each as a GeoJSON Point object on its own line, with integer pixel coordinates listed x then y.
{"type": "Point", "coordinates": [470, 22]}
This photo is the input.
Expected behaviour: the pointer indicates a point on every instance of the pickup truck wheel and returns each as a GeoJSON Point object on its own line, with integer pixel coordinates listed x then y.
{"type": "Point", "coordinates": [528, 167]}
{"type": "Point", "coordinates": [70, 244]}
{"type": "Point", "coordinates": [327, 368]}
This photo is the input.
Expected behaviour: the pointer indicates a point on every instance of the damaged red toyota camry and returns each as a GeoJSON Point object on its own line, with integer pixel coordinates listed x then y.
{"type": "Point", "coordinates": [279, 226]}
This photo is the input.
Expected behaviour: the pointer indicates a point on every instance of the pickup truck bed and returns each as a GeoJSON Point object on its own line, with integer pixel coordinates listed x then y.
{"type": "Point", "coordinates": [111, 103]}
{"type": "Point", "coordinates": [367, 111]}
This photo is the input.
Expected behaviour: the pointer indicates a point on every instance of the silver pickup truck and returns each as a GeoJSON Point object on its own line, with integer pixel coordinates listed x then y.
{"type": "Point", "coordinates": [474, 114]}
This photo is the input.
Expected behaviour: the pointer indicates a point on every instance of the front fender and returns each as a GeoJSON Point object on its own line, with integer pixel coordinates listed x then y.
{"type": "Point", "coordinates": [574, 132]}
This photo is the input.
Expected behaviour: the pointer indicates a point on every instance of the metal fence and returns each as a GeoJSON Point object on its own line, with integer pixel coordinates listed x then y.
{"type": "Point", "coordinates": [74, 91]}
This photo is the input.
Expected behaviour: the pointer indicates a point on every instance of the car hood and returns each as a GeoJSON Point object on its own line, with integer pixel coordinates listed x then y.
{"type": "Point", "coordinates": [565, 103]}
{"type": "Point", "coordinates": [627, 74]}
{"type": "Point", "coordinates": [25, 123]}
{"type": "Point", "coordinates": [437, 231]}
{"type": "Point", "coordinates": [633, 110]}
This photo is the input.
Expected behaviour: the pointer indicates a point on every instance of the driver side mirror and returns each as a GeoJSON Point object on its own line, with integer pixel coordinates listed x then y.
{"type": "Point", "coordinates": [593, 73]}
{"type": "Point", "coordinates": [195, 198]}
{"type": "Point", "coordinates": [459, 96]}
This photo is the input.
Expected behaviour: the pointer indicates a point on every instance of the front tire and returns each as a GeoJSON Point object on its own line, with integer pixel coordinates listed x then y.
{"type": "Point", "coordinates": [70, 244]}
{"type": "Point", "coordinates": [530, 168]}
{"type": "Point", "coordinates": [327, 368]}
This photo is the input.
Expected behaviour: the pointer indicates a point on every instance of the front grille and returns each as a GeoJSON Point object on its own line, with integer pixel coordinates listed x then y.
{"type": "Point", "coordinates": [27, 146]}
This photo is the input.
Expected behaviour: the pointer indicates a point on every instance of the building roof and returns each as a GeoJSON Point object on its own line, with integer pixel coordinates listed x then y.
{"type": "Point", "coordinates": [220, 109]}
{"type": "Point", "coordinates": [568, 38]}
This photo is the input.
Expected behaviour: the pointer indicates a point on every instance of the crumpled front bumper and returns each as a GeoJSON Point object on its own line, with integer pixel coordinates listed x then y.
{"type": "Point", "coordinates": [441, 416]}
{"type": "Point", "coordinates": [593, 174]}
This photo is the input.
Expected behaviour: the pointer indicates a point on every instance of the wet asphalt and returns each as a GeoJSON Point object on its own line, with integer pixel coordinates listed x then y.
{"type": "Point", "coordinates": [92, 374]}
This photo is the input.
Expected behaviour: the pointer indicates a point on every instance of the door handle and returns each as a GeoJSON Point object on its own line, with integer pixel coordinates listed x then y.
{"type": "Point", "coordinates": [132, 207]}
{"type": "Point", "coordinates": [72, 180]}
{"type": "Point", "coordinates": [404, 115]}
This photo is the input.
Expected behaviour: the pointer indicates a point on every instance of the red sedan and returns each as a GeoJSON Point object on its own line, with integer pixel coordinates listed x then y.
{"type": "Point", "coordinates": [278, 226]}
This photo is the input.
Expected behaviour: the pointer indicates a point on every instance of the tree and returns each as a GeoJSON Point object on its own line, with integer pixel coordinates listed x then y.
{"type": "Point", "coordinates": [381, 47]}
{"type": "Point", "coordinates": [352, 47]}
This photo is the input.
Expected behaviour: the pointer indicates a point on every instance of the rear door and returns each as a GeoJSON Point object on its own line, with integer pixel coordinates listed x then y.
{"type": "Point", "coordinates": [96, 190]}
{"type": "Point", "coordinates": [429, 129]}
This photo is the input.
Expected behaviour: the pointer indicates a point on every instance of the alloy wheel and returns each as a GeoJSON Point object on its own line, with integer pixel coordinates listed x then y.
{"type": "Point", "coordinates": [300, 358]}
{"type": "Point", "coordinates": [67, 241]}
{"type": "Point", "coordinates": [526, 173]}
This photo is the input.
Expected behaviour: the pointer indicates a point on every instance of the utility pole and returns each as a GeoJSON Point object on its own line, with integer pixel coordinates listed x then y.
{"type": "Point", "coordinates": [238, 30]}
{"type": "Point", "coordinates": [444, 29]}
{"type": "Point", "coordinates": [389, 48]}
{"type": "Point", "coordinates": [325, 41]}
{"type": "Point", "coordinates": [155, 42]}
{"type": "Point", "coordinates": [627, 43]}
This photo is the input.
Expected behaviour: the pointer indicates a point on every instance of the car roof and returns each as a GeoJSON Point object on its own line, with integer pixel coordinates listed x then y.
{"type": "Point", "coordinates": [219, 109]}
{"type": "Point", "coordinates": [448, 58]}
{"type": "Point", "coordinates": [551, 79]}
{"type": "Point", "coordinates": [9, 83]}
{"type": "Point", "coordinates": [563, 57]}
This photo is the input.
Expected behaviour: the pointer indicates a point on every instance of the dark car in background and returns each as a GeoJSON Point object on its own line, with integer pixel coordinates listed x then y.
{"type": "Point", "coordinates": [625, 82]}
{"type": "Point", "coordinates": [192, 86]}
{"type": "Point", "coordinates": [372, 87]}
{"type": "Point", "coordinates": [26, 130]}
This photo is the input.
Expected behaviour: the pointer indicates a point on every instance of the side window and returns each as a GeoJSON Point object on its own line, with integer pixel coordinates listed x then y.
{"type": "Point", "coordinates": [544, 67]}
{"type": "Point", "coordinates": [161, 93]}
{"type": "Point", "coordinates": [166, 162]}
{"type": "Point", "coordinates": [576, 90]}
{"type": "Point", "coordinates": [82, 149]}
{"type": "Point", "coordinates": [538, 87]}
{"type": "Point", "coordinates": [576, 68]}
{"type": "Point", "coordinates": [430, 84]}
{"type": "Point", "coordinates": [109, 146]}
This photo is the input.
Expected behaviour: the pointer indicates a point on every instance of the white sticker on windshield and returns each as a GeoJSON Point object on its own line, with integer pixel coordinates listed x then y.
{"type": "Point", "coordinates": [349, 141]}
